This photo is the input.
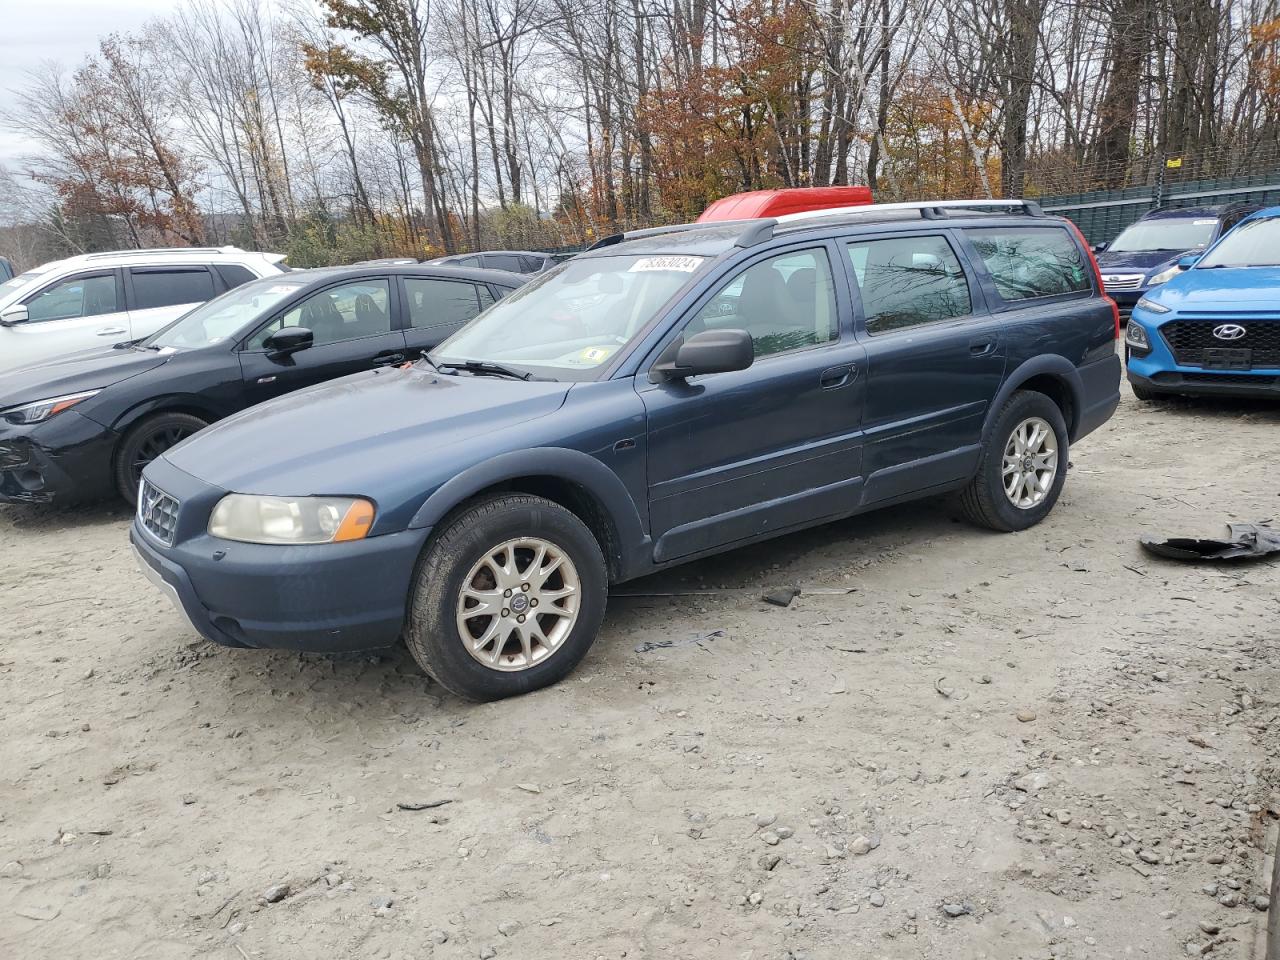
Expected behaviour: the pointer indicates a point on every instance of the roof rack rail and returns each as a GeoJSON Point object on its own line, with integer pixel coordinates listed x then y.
{"type": "Point", "coordinates": [147, 251]}
{"type": "Point", "coordinates": [610, 240]}
{"type": "Point", "coordinates": [928, 209]}
{"type": "Point", "coordinates": [758, 232]}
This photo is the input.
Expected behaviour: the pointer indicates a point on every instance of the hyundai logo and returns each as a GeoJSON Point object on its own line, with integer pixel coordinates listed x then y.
{"type": "Point", "coordinates": [1229, 331]}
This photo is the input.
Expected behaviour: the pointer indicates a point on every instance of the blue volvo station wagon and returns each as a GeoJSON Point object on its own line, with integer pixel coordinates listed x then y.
{"type": "Point", "coordinates": [1214, 328]}
{"type": "Point", "coordinates": [672, 394]}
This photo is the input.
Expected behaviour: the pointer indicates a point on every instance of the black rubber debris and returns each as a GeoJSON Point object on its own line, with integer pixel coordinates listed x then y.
{"type": "Point", "coordinates": [1246, 541]}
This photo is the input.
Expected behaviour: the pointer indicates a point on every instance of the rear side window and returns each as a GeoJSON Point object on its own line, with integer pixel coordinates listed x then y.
{"type": "Point", "coordinates": [907, 281]}
{"type": "Point", "coordinates": [1031, 262]}
{"type": "Point", "coordinates": [502, 261]}
{"type": "Point", "coordinates": [167, 288]}
{"type": "Point", "coordinates": [233, 274]}
{"type": "Point", "coordinates": [439, 303]}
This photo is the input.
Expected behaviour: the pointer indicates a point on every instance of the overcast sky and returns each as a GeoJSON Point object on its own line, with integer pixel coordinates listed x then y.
{"type": "Point", "coordinates": [33, 31]}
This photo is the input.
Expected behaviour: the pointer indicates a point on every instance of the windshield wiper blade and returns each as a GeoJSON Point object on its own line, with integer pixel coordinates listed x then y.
{"type": "Point", "coordinates": [484, 366]}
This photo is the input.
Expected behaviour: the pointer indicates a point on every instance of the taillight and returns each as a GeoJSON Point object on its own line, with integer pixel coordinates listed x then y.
{"type": "Point", "coordinates": [1097, 275]}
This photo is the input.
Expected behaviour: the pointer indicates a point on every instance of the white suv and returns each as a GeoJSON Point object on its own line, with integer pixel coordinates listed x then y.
{"type": "Point", "coordinates": [100, 299]}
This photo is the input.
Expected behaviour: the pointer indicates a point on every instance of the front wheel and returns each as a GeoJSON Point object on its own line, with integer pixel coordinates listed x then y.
{"type": "Point", "coordinates": [508, 598]}
{"type": "Point", "coordinates": [1145, 395]}
{"type": "Point", "coordinates": [1023, 465]}
{"type": "Point", "coordinates": [146, 441]}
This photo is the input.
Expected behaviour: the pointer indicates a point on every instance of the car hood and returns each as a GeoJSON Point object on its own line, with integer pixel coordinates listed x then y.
{"type": "Point", "coordinates": [1223, 288]}
{"type": "Point", "coordinates": [1143, 261]}
{"type": "Point", "coordinates": [348, 435]}
{"type": "Point", "coordinates": [75, 373]}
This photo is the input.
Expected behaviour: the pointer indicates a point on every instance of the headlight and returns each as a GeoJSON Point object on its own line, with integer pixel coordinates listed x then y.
{"type": "Point", "coordinates": [291, 520]}
{"type": "Point", "coordinates": [42, 410]}
{"type": "Point", "coordinates": [1146, 303]}
{"type": "Point", "coordinates": [1164, 276]}
{"type": "Point", "coordinates": [1136, 336]}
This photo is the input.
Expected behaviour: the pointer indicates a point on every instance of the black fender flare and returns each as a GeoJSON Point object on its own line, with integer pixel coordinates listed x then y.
{"type": "Point", "coordinates": [168, 403]}
{"type": "Point", "coordinates": [1053, 365]}
{"type": "Point", "coordinates": [558, 463]}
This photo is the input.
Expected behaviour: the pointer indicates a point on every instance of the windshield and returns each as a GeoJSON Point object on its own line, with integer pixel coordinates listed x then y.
{"type": "Point", "coordinates": [18, 282]}
{"type": "Point", "coordinates": [224, 317]}
{"type": "Point", "coordinates": [1255, 243]}
{"type": "Point", "coordinates": [1166, 233]}
{"type": "Point", "coordinates": [569, 322]}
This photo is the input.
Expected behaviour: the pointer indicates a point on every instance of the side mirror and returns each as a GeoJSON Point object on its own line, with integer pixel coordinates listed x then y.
{"type": "Point", "coordinates": [12, 316]}
{"type": "Point", "coordinates": [712, 351]}
{"type": "Point", "coordinates": [1099, 247]}
{"type": "Point", "coordinates": [1189, 261]}
{"type": "Point", "coordinates": [289, 341]}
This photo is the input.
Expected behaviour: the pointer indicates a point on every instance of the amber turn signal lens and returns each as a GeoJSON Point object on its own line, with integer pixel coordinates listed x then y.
{"type": "Point", "coordinates": [357, 523]}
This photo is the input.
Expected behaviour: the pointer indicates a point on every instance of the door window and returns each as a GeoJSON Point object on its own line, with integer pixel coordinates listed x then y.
{"type": "Point", "coordinates": [1031, 262]}
{"type": "Point", "coordinates": [907, 281]}
{"type": "Point", "coordinates": [442, 303]}
{"type": "Point", "coordinates": [74, 297]}
{"type": "Point", "coordinates": [349, 311]}
{"type": "Point", "coordinates": [785, 303]}
{"type": "Point", "coordinates": [168, 288]}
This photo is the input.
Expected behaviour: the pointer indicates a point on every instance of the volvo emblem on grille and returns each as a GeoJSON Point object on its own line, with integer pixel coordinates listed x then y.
{"type": "Point", "coordinates": [1229, 331]}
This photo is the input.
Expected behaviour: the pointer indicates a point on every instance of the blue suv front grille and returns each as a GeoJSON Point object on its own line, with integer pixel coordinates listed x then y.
{"type": "Point", "coordinates": [1189, 339]}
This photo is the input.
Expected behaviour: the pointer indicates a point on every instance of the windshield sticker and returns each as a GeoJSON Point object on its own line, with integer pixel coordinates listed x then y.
{"type": "Point", "coordinates": [1204, 223]}
{"type": "Point", "coordinates": [676, 264]}
{"type": "Point", "coordinates": [597, 354]}
{"type": "Point", "coordinates": [283, 288]}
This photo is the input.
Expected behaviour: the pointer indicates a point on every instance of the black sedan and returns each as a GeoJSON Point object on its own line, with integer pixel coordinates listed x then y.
{"type": "Point", "coordinates": [86, 425]}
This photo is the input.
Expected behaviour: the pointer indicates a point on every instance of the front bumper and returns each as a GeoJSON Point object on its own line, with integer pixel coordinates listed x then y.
{"type": "Point", "coordinates": [324, 598]}
{"type": "Point", "coordinates": [64, 459]}
{"type": "Point", "coordinates": [1210, 384]}
{"type": "Point", "coordinates": [1158, 370]}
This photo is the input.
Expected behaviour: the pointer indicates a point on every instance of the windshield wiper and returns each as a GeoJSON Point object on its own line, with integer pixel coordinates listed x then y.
{"type": "Point", "coordinates": [484, 366]}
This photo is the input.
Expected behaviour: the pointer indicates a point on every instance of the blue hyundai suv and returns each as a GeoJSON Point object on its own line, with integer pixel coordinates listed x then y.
{"type": "Point", "coordinates": [1146, 253]}
{"type": "Point", "coordinates": [1214, 328]}
{"type": "Point", "coordinates": [666, 396]}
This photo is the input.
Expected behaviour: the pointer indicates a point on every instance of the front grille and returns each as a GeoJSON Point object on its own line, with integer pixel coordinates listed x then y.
{"type": "Point", "coordinates": [1125, 313]}
{"type": "Point", "coordinates": [158, 512]}
{"type": "Point", "coordinates": [1121, 282]}
{"type": "Point", "coordinates": [1188, 339]}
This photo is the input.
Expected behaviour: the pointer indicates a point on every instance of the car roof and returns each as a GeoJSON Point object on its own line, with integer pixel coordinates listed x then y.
{"type": "Point", "coordinates": [319, 275]}
{"type": "Point", "coordinates": [715, 238]}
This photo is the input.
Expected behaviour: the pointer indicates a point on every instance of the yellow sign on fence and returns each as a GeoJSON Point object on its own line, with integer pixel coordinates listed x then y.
{"type": "Point", "coordinates": [1173, 163]}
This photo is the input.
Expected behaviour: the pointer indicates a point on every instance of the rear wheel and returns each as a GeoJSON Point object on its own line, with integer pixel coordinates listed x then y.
{"type": "Point", "coordinates": [508, 598]}
{"type": "Point", "coordinates": [146, 441]}
{"type": "Point", "coordinates": [1023, 465]}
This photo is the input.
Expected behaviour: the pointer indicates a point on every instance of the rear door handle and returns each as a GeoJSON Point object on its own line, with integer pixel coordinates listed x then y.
{"type": "Point", "coordinates": [388, 359]}
{"type": "Point", "coordinates": [111, 331]}
{"type": "Point", "coordinates": [835, 377]}
{"type": "Point", "coordinates": [982, 346]}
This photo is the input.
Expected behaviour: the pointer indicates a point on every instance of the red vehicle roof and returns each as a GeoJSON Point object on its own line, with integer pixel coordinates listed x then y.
{"type": "Point", "coordinates": [774, 203]}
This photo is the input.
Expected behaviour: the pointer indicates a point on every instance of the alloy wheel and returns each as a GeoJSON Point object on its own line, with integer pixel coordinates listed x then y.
{"type": "Point", "coordinates": [1030, 463]}
{"type": "Point", "coordinates": [518, 604]}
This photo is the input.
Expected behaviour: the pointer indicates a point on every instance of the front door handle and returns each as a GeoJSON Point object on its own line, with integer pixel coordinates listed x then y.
{"type": "Point", "coordinates": [982, 346]}
{"type": "Point", "coordinates": [835, 377]}
{"type": "Point", "coordinates": [388, 359]}
{"type": "Point", "coordinates": [112, 331]}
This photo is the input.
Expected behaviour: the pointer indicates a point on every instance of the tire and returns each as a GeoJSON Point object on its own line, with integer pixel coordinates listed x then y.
{"type": "Point", "coordinates": [473, 551]}
{"type": "Point", "coordinates": [144, 442]}
{"type": "Point", "coordinates": [986, 501]}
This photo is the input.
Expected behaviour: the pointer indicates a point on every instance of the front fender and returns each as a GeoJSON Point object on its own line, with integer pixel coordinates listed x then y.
{"type": "Point", "coordinates": [557, 463]}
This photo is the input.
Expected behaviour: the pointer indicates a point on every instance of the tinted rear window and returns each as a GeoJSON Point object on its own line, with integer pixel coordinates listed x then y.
{"type": "Point", "coordinates": [1031, 262]}
{"type": "Point", "coordinates": [167, 288]}
{"type": "Point", "coordinates": [233, 274]}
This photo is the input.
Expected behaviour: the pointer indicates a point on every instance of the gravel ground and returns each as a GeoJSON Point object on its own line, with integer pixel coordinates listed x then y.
{"type": "Point", "coordinates": [953, 744]}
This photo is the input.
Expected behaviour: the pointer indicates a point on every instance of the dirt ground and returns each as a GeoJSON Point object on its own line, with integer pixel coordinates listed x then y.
{"type": "Point", "coordinates": [953, 744]}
